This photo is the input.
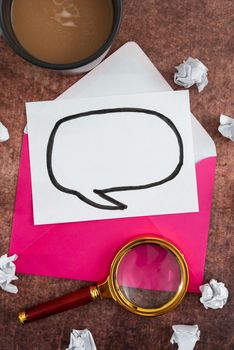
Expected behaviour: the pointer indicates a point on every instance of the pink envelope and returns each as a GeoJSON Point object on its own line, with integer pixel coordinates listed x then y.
{"type": "Point", "coordinates": [85, 250]}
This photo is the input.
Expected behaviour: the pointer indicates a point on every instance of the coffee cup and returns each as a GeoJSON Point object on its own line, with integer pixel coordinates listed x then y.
{"type": "Point", "coordinates": [63, 35]}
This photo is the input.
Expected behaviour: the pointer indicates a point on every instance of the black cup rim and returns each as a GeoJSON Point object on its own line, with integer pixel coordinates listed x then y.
{"type": "Point", "coordinates": [15, 45]}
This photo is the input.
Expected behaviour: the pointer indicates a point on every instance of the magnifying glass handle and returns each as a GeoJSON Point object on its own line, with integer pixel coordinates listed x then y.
{"type": "Point", "coordinates": [66, 302]}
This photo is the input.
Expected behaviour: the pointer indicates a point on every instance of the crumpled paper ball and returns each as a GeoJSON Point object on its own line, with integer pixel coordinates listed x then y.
{"type": "Point", "coordinates": [214, 294]}
{"type": "Point", "coordinates": [190, 72]}
{"type": "Point", "coordinates": [226, 127]}
{"type": "Point", "coordinates": [81, 340]}
{"type": "Point", "coordinates": [7, 273]}
{"type": "Point", "coordinates": [185, 336]}
{"type": "Point", "coordinates": [4, 134]}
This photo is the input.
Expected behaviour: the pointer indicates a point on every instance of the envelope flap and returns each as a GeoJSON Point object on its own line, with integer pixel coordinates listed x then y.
{"type": "Point", "coordinates": [127, 71]}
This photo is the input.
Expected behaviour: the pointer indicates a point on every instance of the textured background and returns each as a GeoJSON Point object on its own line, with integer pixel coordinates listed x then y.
{"type": "Point", "coordinates": [169, 32]}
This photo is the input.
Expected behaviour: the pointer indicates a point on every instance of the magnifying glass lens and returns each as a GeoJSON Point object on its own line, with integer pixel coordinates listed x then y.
{"type": "Point", "coordinates": [148, 275]}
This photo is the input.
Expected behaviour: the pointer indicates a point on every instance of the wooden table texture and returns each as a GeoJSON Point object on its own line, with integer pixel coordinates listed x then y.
{"type": "Point", "coordinates": [168, 32]}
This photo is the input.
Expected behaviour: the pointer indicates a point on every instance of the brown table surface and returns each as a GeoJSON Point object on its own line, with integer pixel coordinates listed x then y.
{"type": "Point", "coordinates": [169, 32]}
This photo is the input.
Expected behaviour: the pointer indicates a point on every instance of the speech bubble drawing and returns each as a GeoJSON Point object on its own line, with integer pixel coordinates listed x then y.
{"type": "Point", "coordinates": [104, 193]}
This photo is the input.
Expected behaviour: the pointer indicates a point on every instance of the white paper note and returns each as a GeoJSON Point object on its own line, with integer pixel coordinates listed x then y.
{"type": "Point", "coordinates": [185, 336]}
{"type": "Point", "coordinates": [214, 295]}
{"type": "Point", "coordinates": [81, 340]}
{"type": "Point", "coordinates": [190, 72]}
{"type": "Point", "coordinates": [113, 164]}
{"type": "Point", "coordinates": [226, 127]}
{"type": "Point", "coordinates": [4, 134]}
{"type": "Point", "coordinates": [7, 273]}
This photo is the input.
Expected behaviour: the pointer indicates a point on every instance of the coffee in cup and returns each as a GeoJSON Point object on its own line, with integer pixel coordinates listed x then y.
{"type": "Point", "coordinates": [61, 34]}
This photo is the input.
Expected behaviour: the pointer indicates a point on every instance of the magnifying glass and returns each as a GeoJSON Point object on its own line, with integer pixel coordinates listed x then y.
{"type": "Point", "coordinates": [148, 276]}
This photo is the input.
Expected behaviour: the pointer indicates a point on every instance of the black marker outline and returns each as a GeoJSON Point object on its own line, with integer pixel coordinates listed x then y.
{"type": "Point", "coordinates": [103, 193]}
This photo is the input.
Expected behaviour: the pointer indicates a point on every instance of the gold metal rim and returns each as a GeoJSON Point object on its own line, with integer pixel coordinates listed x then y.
{"type": "Point", "coordinates": [123, 301]}
{"type": "Point", "coordinates": [94, 292]}
{"type": "Point", "coordinates": [22, 318]}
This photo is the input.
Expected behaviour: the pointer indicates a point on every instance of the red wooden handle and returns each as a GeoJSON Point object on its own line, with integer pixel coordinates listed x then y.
{"type": "Point", "coordinates": [66, 302]}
